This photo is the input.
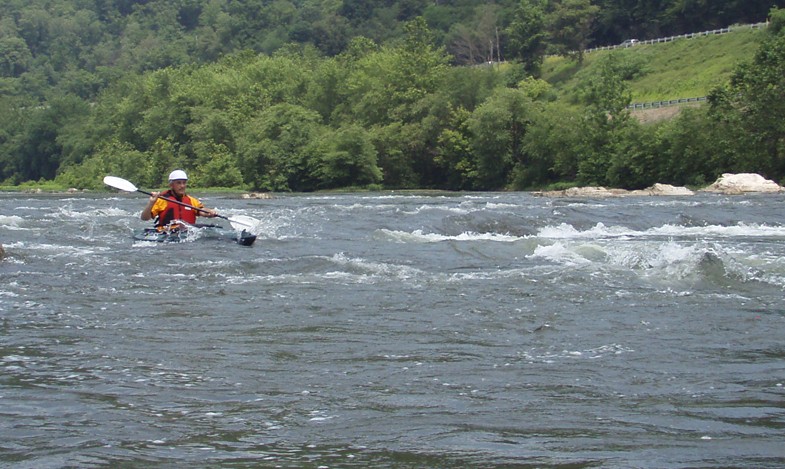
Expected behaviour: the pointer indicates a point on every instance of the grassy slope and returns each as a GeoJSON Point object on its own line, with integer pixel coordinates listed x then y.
{"type": "Point", "coordinates": [685, 68]}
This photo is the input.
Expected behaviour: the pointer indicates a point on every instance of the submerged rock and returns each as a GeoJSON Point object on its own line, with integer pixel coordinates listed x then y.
{"type": "Point", "coordinates": [742, 183]}
{"type": "Point", "coordinates": [664, 189]}
{"type": "Point", "coordinates": [656, 189]}
{"type": "Point", "coordinates": [257, 195]}
{"type": "Point", "coordinates": [589, 191]}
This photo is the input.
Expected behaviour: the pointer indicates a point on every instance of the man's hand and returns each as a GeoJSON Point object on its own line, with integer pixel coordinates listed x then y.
{"type": "Point", "coordinates": [146, 214]}
{"type": "Point", "coordinates": [208, 212]}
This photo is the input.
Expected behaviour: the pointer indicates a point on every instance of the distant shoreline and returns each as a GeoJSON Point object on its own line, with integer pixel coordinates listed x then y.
{"type": "Point", "coordinates": [727, 184]}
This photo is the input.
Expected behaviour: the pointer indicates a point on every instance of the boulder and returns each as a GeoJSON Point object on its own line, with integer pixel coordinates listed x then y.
{"type": "Point", "coordinates": [2, 252]}
{"type": "Point", "coordinates": [257, 195]}
{"type": "Point", "coordinates": [589, 191]}
{"type": "Point", "coordinates": [742, 183]}
{"type": "Point", "coordinates": [663, 189]}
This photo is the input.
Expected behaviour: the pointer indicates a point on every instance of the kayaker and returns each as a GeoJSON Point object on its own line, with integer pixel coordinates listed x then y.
{"type": "Point", "coordinates": [166, 211]}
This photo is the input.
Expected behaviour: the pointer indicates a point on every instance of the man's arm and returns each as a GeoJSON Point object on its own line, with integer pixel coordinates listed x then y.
{"type": "Point", "coordinates": [147, 211]}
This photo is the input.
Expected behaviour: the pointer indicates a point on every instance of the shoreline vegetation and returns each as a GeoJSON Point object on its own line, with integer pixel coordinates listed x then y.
{"type": "Point", "coordinates": [727, 184]}
{"type": "Point", "coordinates": [403, 114]}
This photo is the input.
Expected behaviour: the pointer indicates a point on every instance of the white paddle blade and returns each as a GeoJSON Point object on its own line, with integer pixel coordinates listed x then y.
{"type": "Point", "coordinates": [240, 222]}
{"type": "Point", "coordinates": [119, 183]}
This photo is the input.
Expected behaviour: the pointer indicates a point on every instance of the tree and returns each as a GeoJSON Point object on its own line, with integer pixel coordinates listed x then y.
{"type": "Point", "coordinates": [216, 167]}
{"type": "Point", "coordinates": [391, 92]}
{"type": "Point", "coordinates": [167, 113]}
{"type": "Point", "coordinates": [694, 147]}
{"type": "Point", "coordinates": [633, 163]}
{"type": "Point", "coordinates": [13, 120]}
{"type": "Point", "coordinates": [38, 151]}
{"type": "Point", "coordinates": [113, 157]}
{"type": "Point", "coordinates": [498, 128]}
{"type": "Point", "coordinates": [357, 10]}
{"type": "Point", "coordinates": [468, 87]}
{"type": "Point", "coordinates": [329, 34]}
{"type": "Point", "coordinates": [324, 94]}
{"type": "Point", "coordinates": [272, 148]}
{"type": "Point", "coordinates": [160, 158]}
{"type": "Point", "coordinates": [606, 118]}
{"type": "Point", "coordinates": [463, 45]}
{"type": "Point", "coordinates": [477, 41]}
{"type": "Point", "coordinates": [15, 57]}
{"type": "Point", "coordinates": [34, 28]}
{"type": "Point", "coordinates": [756, 95]}
{"type": "Point", "coordinates": [554, 146]}
{"type": "Point", "coordinates": [570, 25]}
{"type": "Point", "coordinates": [455, 155]}
{"type": "Point", "coordinates": [343, 158]}
{"type": "Point", "coordinates": [394, 157]}
{"type": "Point", "coordinates": [418, 68]}
{"type": "Point", "coordinates": [527, 35]}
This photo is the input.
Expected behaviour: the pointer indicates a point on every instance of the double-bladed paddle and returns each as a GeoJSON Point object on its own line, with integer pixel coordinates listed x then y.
{"type": "Point", "coordinates": [127, 186]}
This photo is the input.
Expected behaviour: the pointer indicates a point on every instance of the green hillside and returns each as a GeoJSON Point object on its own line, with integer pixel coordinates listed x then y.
{"type": "Point", "coordinates": [684, 68]}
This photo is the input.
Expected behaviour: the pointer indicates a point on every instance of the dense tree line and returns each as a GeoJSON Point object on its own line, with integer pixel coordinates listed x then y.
{"type": "Point", "coordinates": [307, 95]}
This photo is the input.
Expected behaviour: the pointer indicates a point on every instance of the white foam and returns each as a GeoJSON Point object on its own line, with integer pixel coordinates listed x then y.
{"type": "Point", "coordinates": [559, 253]}
{"type": "Point", "coordinates": [418, 236]}
{"type": "Point", "coordinates": [600, 231]}
{"type": "Point", "coordinates": [377, 268]}
{"type": "Point", "coordinates": [58, 250]}
{"type": "Point", "coordinates": [494, 206]}
{"type": "Point", "coordinates": [602, 351]}
{"type": "Point", "coordinates": [735, 231]}
{"type": "Point", "coordinates": [114, 212]}
{"type": "Point", "coordinates": [11, 222]}
{"type": "Point", "coordinates": [267, 226]}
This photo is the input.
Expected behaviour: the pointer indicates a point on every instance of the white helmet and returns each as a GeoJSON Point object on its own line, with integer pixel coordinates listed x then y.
{"type": "Point", "coordinates": [177, 174]}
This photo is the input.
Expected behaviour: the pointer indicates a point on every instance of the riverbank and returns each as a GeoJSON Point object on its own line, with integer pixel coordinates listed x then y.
{"type": "Point", "coordinates": [728, 183]}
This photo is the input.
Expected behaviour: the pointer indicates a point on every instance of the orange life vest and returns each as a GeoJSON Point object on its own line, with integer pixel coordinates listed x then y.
{"type": "Point", "coordinates": [175, 211]}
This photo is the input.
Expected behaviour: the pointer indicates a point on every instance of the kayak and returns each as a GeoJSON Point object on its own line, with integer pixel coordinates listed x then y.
{"type": "Point", "coordinates": [242, 238]}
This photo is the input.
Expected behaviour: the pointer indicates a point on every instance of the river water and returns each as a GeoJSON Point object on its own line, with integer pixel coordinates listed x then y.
{"type": "Point", "coordinates": [396, 330]}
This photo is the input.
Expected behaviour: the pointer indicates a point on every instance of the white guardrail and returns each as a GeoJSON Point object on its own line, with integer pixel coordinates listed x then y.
{"type": "Point", "coordinates": [627, 43]}
{"type": "Point", "coordinates": [674, 102]}
{"type": "Point", "coordinates": [666, 103]}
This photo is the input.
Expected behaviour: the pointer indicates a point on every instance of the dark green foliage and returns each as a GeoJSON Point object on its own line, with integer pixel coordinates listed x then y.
{"type": "Point", "coordinates": [273, 148]}
{"type": "Point", "coordinates": [552, 145]}
{"type": "Point", "coordinates": [343, 158]}
{"type": "Point", "coordinates": [693, 147]}
{"type": "Point", "coordinates": [755, 100]}
{"type": "Point", "coordinates": [308, 95]}
{"type": "Point", "coordinates": [497, 130]}
{"type": "Point", "coordinates": [528, 36]}
{"type": "Point", "coordinates": [40, 138]}
{"type": "Point", "coordinates": [605, 126]}
{"type": "Point", "coordinates": [455, 158]}
{"type": "Point", "coordinates": [111, 158]}
{"type": "Point", "coordinates": [393, 157]}
{"type": "Point", "coordinates": [217, 167]}
{"type": "Point", "coordinates": [641, 19]}
{"type": "Point", "coordinates": [570, 25]}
